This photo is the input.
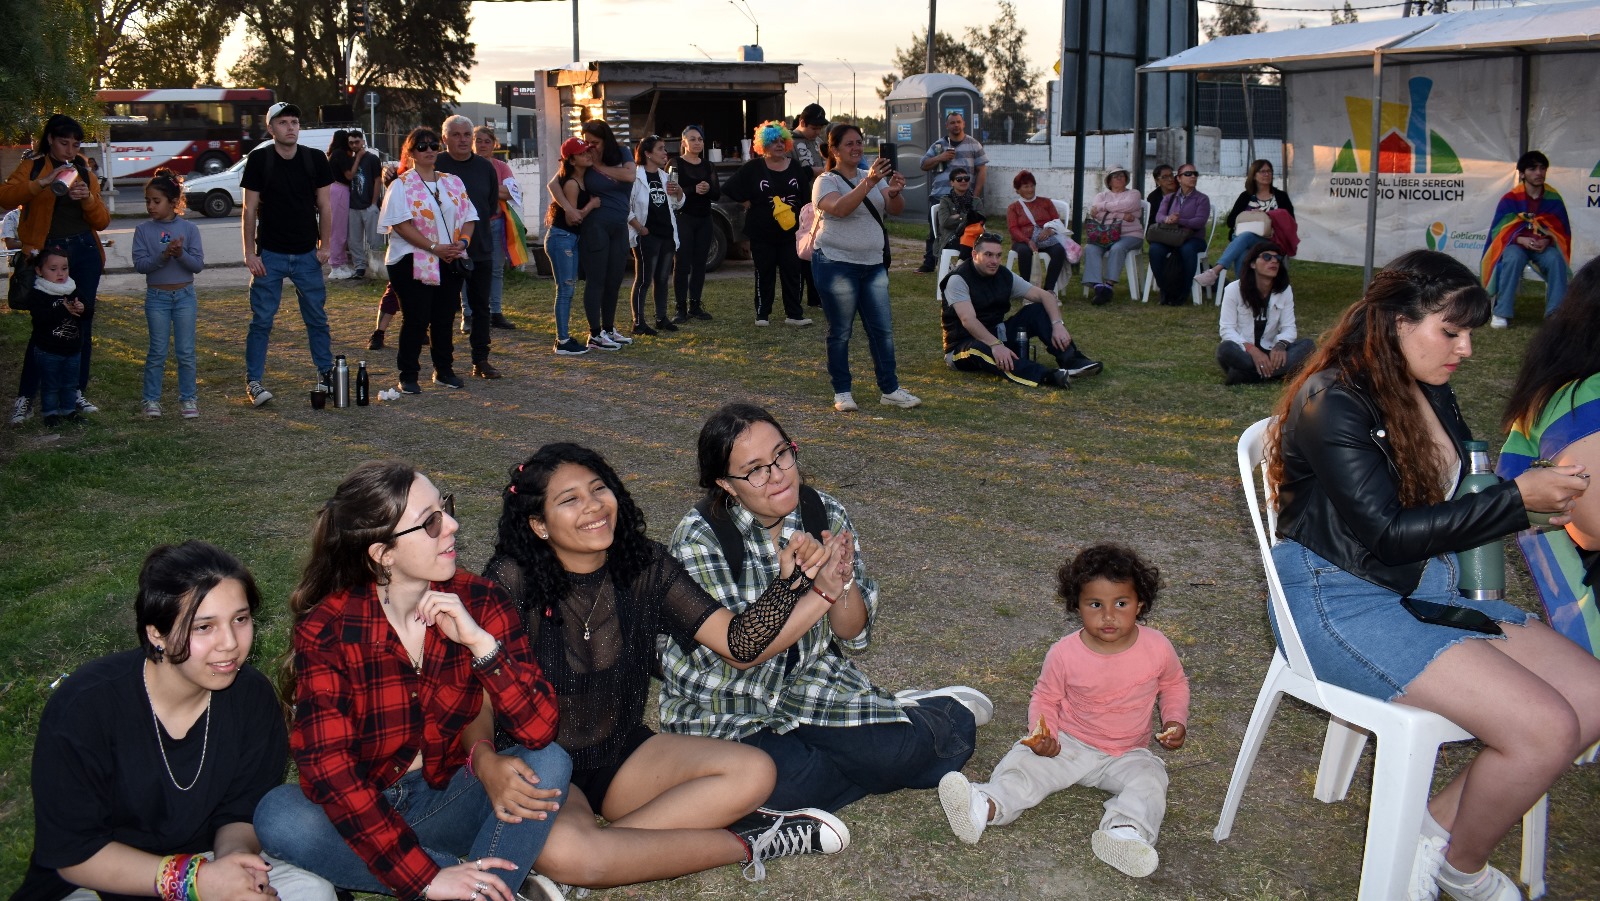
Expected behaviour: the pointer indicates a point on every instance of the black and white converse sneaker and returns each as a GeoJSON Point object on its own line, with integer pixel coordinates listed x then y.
{"type": "Point", "coordinates": [770, 834]}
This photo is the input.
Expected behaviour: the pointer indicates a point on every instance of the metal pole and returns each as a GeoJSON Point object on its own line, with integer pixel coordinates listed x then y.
{"type": "Point", "coordinates": [933, 17]}
{"type": "Point", "coordinates": [1080, 123]}
{"type": "Point", "coordinates": [853, 116]}
{"type": "Point", "coordinates": [575, 56]}
{"type": "Point", "coordinates": [1372, 166]}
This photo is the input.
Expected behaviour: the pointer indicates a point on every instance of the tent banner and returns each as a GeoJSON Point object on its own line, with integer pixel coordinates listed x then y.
{"type": "Point", "coordinates": [1447, 149]}
{"type": "Point", "coordinates": [1563, 124]}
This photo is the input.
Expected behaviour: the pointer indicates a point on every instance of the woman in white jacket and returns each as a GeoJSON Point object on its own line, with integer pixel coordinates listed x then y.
{"type": "Point", "coordinates": [653, 232]}
{"type": "Point", "coordinates": [1259, 341]}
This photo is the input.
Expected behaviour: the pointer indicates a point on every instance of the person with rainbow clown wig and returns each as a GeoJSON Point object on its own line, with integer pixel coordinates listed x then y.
{"type": "Point", "coordinates": [773, 187]}
{"type": "Point", "coordinates": [1530, 226]}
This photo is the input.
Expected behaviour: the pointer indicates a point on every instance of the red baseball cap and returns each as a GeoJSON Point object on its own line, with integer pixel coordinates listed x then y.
{"type": "Point", "coordinates": [573, 147]}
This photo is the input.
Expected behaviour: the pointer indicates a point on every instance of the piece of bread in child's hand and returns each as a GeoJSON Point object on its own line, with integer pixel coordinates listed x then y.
{"type": "Point", "coordinates": [1167, 733]}
{"type": "Point", "coordinates": [1037, 737]}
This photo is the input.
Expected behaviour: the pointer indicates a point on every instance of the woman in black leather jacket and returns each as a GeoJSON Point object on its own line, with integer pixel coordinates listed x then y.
{"type": "Point", "coordinates": [1366, 452]}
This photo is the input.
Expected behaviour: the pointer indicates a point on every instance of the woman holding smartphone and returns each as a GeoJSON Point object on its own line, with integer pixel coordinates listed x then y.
{"type": "Point", "coordinates": [1366, 453]}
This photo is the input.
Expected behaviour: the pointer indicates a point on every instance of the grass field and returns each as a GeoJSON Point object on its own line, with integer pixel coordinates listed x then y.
{"type": "Point", "coordinates": [965, 506]}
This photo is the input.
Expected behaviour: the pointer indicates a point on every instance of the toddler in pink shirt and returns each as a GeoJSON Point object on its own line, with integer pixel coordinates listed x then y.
{"type": "Point", "coordinates": [1092, 707]}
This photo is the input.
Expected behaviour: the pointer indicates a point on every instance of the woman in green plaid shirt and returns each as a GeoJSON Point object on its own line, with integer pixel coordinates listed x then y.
{"type": "Point", "coordinates": [834, 736]}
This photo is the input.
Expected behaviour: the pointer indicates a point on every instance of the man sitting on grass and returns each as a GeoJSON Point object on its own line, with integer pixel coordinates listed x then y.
{"type": "Point", "coordinates": [979, 338]}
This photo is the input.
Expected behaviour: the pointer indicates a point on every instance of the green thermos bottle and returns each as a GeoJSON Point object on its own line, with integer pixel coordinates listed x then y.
{"type": "Point", "coordinates": [1483, 568]}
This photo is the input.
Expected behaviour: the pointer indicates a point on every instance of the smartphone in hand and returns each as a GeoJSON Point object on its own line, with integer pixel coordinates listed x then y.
{"type": "Point", "coordinates": [890, 152]}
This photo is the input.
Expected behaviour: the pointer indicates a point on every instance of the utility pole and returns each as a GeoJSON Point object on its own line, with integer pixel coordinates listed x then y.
{"type": "Point", "coordinates": [853, 117]}
{"type": "Point", "coordinates": [933, 17]}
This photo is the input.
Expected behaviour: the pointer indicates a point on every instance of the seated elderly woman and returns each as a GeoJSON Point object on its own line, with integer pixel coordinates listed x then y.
{"type": "Point", "coordinates": [1028, 221]}
{"type": "Point", "coordinates": [1113, 230]}
{"type": "Point", "coordinates": [1366, 454]}
{"type": "Point", "coordinates": [595, 594]}
{"type": "Point", "coordinates": [834, 736]}
{"type": "Point", "coordinates": [127, 784]}
{"type": "Point", "coordinates": [1553, 416]}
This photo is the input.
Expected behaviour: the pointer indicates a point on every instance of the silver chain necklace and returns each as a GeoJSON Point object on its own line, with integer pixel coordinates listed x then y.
{"type": "Point", "coordinates": [205, 740]}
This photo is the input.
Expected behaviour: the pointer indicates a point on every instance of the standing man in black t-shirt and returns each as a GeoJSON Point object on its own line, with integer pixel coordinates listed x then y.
{"type": "Point", "coordinates": [366, 195]}
{"type": "Point", "coordinates": [483, 187]}
{"type": "Point", "coordinates": [286, 187]}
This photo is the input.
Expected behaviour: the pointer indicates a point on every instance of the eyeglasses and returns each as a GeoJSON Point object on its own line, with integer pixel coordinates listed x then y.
{"type": "Point", "coordinates": [427, 147]}
{"type": "Point", "coordinates": [961, 178]}
{"type": "Point", "coordinates": [1189, 174]}
{"type": "Point", "coordinates": [759, 476]}
{"type": "Point", "coordinates": [434, 524]}
{"type": "Point", "coordinates": [1165, 175]}
{"type": "Point", "coordinates": [1270, 257]}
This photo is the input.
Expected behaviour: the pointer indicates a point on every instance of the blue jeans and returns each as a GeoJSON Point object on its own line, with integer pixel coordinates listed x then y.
{"type": "Point", "coordinates": [1234, 253]}
{"type": "Point", "coordinates": [58, 382]}
{"type": "Point", "coordinates": [1189, 254]}
{"type": "Point", "coordinates": [497, 271]}
{"type": "Point", "coordinates": [561, 246]}
{"type": "Point", "coordinates": [170, 314]}
{"type": "Point", "coordinates": [452, 823]}
{"type": "Point", "coordinates": [848, 289]}
{"type": "Point", "coordinates": [833, 766]}
{"type": "Point", "coordinates": [1098, 269]}
{"type": "Point", "coordinates": [1508, 277]}
{"type": "Point", "coordinates": [84, 265]}
{"type": "Point", "coordinates": [266, 293]}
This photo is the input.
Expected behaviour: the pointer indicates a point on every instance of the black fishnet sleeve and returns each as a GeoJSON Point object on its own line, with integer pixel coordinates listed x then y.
{"type": "Point", "coordinates": [688, 606]}
{"type": "Point", "coordinates": [507, 573]}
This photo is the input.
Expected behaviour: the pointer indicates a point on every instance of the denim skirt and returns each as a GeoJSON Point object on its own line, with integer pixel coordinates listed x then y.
{"type": "Point", "coordinates": [1356, 633]}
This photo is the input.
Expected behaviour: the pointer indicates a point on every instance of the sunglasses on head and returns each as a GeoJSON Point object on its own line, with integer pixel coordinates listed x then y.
{"type": "Point", "coordinates": [434, 524]}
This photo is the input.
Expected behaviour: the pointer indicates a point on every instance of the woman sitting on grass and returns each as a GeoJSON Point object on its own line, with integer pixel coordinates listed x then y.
{"type": "Point", "coordinates": [595, 594]}
{"type": "Point", "coordinates": [131, 797]}
{"type": "Point", "coordinates": [395, 651]}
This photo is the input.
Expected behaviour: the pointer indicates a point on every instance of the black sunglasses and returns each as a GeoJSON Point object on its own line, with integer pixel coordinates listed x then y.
{"type": "Point", "coordinates": [961, 178]}
{"type": "Point", "coordinates": [1188, 174]}
{"type": "Point", "coordinates": [434, 524]}
{"type": "Point", "coordinates": [1270, 257]}
{"type": "Point", "coordinates": [427, 147]}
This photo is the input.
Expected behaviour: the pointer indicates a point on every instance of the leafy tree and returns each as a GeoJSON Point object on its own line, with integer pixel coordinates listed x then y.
{"type": "Point", "coordinates": [47, 69]}
{"type": "Point", "coordinates": [1234, 17]}
{"type": "Point", "coordinates": [948, 56]}
{"type": "Point", "coordinates": [159, 44]}
{"type": "Point", "coordinates": [1346, 16]}
{"type": "Point", "coordinates": [1015, 96]}
{"type": "Point", "coordinates": [417, 48]}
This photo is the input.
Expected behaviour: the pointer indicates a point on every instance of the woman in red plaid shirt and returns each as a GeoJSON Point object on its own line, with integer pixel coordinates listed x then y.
{"type": "Point", "coordinates": [394, 653]}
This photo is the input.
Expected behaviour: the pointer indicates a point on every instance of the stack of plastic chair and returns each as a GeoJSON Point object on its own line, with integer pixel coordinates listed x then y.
{"type": "Point", "coordinates": [1408, 738]}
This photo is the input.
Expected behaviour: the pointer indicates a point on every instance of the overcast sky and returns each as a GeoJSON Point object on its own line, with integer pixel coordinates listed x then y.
{"type": "Point", "coordinates": [516, 38]}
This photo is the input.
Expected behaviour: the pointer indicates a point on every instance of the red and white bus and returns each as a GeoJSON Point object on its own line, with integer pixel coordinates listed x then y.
{"type": "Point", "coordinates": [199, 130]}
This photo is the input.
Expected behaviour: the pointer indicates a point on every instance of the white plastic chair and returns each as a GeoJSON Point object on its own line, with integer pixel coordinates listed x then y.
{"type": "Point", "coordinates": [1408, 738]}
{"type": "Point", "coordinates": [1200, 265]}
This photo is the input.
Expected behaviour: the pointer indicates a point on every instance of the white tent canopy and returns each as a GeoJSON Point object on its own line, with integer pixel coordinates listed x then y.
{"type": "Point", "coordinates": [1522, 32]}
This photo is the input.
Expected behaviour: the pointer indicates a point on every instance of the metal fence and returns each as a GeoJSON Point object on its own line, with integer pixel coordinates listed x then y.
{"type": "Point", "coordinates": [1222, 105]}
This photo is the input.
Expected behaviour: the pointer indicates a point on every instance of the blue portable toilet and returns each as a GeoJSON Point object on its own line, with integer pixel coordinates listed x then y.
{"type": "Point", "coordinates": [915, 113]}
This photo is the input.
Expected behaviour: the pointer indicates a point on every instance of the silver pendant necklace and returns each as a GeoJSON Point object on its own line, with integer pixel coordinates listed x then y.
{"type": "Point", "coordinates": [205, 739]}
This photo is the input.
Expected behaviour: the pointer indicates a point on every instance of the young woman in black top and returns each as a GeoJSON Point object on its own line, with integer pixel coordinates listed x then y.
{"type": "Point", "coordinates": [698, 178]}
{"type": "Point", "coordinates": [595, 593]}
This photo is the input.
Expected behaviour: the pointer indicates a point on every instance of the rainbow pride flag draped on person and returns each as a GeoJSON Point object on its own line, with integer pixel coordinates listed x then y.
{"type": "Point", "coordinates": [1511, 219]}
{"type": "Point", "coordinates": [1564, 574]}
{"type": "Point", "coordinates": [516, 234]}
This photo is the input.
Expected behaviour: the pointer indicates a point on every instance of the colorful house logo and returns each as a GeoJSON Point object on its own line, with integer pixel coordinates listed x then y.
{"type": "Point", "coordinates": [1405, 143]}
{"type": "Point", "coordinates": [1438, 235]}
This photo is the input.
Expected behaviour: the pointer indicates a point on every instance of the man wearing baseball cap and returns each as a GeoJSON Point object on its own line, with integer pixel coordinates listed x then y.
{"type": "Point", "coordinates": [288, 222]}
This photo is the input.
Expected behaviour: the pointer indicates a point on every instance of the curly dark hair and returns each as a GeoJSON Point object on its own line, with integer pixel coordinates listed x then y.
{"type": "Point", "coordinates": [524, 496]}
{"type": "Point", "coordinates": [1114, 563]}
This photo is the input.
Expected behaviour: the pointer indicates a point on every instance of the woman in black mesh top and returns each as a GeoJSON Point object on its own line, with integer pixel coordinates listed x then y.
{"type": "Point", "coordinates": [595, 594]}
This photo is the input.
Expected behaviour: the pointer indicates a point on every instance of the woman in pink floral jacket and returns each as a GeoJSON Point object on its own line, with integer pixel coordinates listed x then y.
{"type": "Point", "coordinates": [429, 219]}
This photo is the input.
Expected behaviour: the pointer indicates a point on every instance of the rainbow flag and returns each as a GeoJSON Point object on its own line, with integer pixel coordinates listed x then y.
{"type": "Point", "coordinates": [516, 235]}
{"type": "Point", "coordinates": [1560, 573]}
{"type": "Point", "coordinates": [1511, 219]}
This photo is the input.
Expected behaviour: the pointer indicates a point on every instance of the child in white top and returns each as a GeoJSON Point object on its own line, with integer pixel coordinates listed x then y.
{"type": "Point", "coordinates": [1092, 706]}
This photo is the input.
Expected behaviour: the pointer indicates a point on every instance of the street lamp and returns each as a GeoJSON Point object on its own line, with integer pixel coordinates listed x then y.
{"type": "Point", "coordinates": [853, 116]}
{"type": "Point", "coordinates": [748, 15]}
{"type": "Point", "coordinates": [816, 94]}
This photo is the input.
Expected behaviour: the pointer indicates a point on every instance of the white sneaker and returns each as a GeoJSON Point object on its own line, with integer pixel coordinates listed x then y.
{"type": "Point", "coordinates": [1488, 884]}
{"type": "Point", "coordinates": [902, 398]}
{"type": "Point", "coordinates": [965, 807]}
{"type": "Point", "coordinates": [189, 408]}
{"type": "Point", "coordinates": [21, 410]}
{"type": "Point", "coordinates": [341, 272]}
{"type": "Point", "coordinates": [1207, 278]}
{"type": "Point", "coordinates": [542, 888]}
{"type": "Point", "coordinates": [799, 322]}
{"type": "Point", "coordinates": [974, 700]}
{"type": "Point", "coordinates": [85, 406]}
{"type": "Point", "coordinates": [844, 403]}
{"type": "Point", "coordinates": [1424, 884]}
{"type": "Point", "coordinates": [1499, 322]}
{"type": "Point", "coordinates": [152, 409]}
{"type": "Point", "coordinates": [1124, 848]}
{"type": "Point", "coordinates": [617, 337]}
{"type": "Point", "coordinates": [762, 322]}
{"type": "Point", "coordinates": [601, 342]}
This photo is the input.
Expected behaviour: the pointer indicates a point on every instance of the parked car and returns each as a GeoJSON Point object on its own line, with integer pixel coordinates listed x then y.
{"type": "Point", "coordinates": [217, 195]}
